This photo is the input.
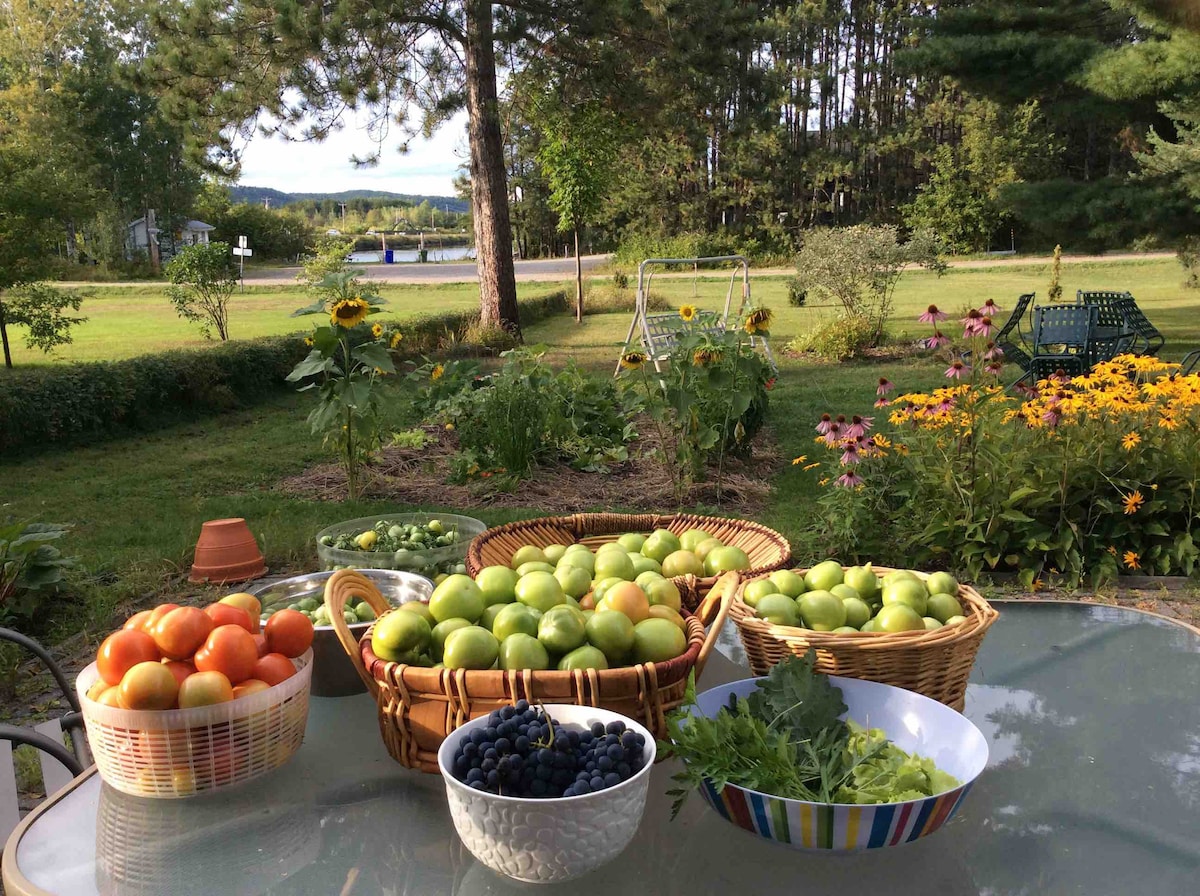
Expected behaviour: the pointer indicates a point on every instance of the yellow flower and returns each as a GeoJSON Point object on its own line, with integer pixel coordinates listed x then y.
{"type": "Point", "coordinates": [436, 373]}
{"type": "Point", "coordinates": [824, 481]}
{"type": "Point", "coordinates": [687, 312]}
{"type": "Point", "coordinates": [1131, 559]}
{"type": "Point", "coordinates": [702, 357]}
{"type": "Point", "coordinates": [633, 360]}
{"type": "Point", "coordinates": [808, 467]}
{"type": "Point", "coordinates": [1112, 550]}
{"type": "Point", "coordinates": [377, 330]}
{"type": "Point", "coordinates": [1131, 441]}
{"type": "Point", "coordinates": [349, 312]}
{"type": "Point", "coordinates": [1133, 502]}
{"type": "Point", "coordinates": [758, 321]}
{"type": "Point", "coordinates": [308, 340]}
{"type": "Point", "coordinates": [882, 441]}
{"type": "Point", "coordinates": [796, 461]}
{"type": "Point", "coordinates": [396, 339]}
{"type": "Point", "coordinates": [1037, 585]}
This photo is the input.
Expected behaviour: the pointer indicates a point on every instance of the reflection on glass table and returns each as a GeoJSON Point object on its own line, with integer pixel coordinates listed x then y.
{"type": "Point", "coordinates": [1093, 788]}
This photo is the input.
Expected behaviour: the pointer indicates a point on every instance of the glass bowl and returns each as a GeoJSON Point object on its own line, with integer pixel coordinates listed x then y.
{"type": "Point", "coordinates": [425, 559]}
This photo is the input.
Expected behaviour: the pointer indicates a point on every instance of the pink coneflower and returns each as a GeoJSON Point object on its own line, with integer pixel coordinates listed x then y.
{"type": "Point", "coordinates": [833, 435]}
{"type": "Point", "coordinates": [1027, 390]}
{"type": "Point", "coordinates": [937, 340]}
{"type": "Point", "coordinates": [885, 386]}
{"type": "Point", "coordinates": [993, 367]}
{"type": "Point", "coordinates": [973, 323]}
{"type": "Point", "coordinates": [858, 426]}
{"type": "Point", "coordinates": [849, 479]}
{"type": "Point", "coordinates": [826, 422]}
{"type": "Point", "coordinates": [850, 455]}
{"type": "Point", "coordinates": [1052, 415]}
{"type": "Point", "coordinates": [881, 402]}
{"type": "Point", "coordinates": [957, 370]}
{"type": "Point", "coordinates": [932, 315]}
{"type": "Point", "coordinates": [993, 353]}
{"type": "Point", "coordinates": [1060, 377]}
{"type": "Point", "coordinates": [945, 406]}
{"type": "Point", "coordinates": [986, 327]}
{"type": "Point", "coordinates": [990, 308]}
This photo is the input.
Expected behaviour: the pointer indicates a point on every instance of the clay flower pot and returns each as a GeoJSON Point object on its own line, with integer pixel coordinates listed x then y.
{"type": "Point", "coordinates": [226, 552]}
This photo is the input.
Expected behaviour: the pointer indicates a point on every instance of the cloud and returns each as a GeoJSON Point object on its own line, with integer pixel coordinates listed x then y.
{"type": "Point", "coordinates": [427, 168]}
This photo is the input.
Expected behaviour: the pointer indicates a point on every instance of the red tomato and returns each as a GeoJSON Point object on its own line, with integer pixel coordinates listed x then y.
{"type": "Point", "coordinates": [204, 689]}
{"type": "Point", "coordinates": [181, 632]}
{"type": "Point", "coordinates": [158, 613]}
{"type": "Point", "coordinates": [139, 620]}
{"type": "Point", "coordinates": [227, 614]}
{"type": "Point", "coordinates": [148, 685]}
{"type": "Point", "coordinates": [273, 668]}
{"type": "Point", "coordinates": [180, 669]}
{"type": "Point", "coordinates": [260, 641]}
{"type": "Point", "coordinates": [289, 632]}
{"type": "Point", "coordinates": [250, 604]}
{"type": "Point", "coordinates": [121, 651]}
{"type": "Point", "coordinates": [229, 650]}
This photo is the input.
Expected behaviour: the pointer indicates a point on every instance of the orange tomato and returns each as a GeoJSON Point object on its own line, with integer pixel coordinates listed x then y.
{"type": "Point", "coordinates": [289, 632]}
{"type": "Point", "coordinates": [248, 687]}
{"type": "Point", "coordinates": [180, 669]}
{"type": "Point", "coordinates": [250, 604]}
{"type": "Point", "coordinates": [121, 651]}
{"type": "Point", "coordinates": [227, 614]}
{"type": "Point", "coordinates": [158, 613]}
{"type": "Point", "coordinates": [630, 599]}
{"type": "Point", "coordinates": [148, 685]}
{"type": "Point", "coordinates": [587, 602]}
{"type": "Point", "coordinates": [273, 668]}
{"type": "Point", "coordinates": [110, 696]}
{"type": "Point", "coordinates": [229, 650]}
{"type": "Point", "coordinates": [99, 686]}
{"type": "Point", "coordinates": [204, 689]}
{"type": "Point", "coordinates": [260, 641]}
{"type": "Point", "coordinates": [180, 632]}
{"type": "Point", "coordinates": [138, 620]}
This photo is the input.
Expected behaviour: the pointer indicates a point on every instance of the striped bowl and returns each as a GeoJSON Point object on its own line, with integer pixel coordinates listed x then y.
{"type": "Point", "coordinates": [913, 722]}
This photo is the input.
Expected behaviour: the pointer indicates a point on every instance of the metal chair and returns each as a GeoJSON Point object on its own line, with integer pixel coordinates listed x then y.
{"type": "Point", "coordinates": [1011, 339]}
{"type": "Point", "coordinates": [1190, 362]}
{"type": "Point", "coordinates": [59, 764]}
{"type": "Point", "coordinates": [1062, 339]}
{"type": "Point", "coordinates": [1133, 332]}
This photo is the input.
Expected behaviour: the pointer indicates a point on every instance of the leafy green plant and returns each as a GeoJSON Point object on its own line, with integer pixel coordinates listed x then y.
{"type": "Point", "coordinates": [29, 563]}
{"type": "Point", "coordinates": [203, 278]}
{"type": "Point", "coordinates": [44, 312]}
{"type": "Point", "coordinates": [349, 356]}
{"type": "Point", "coordinates": [1188, 254]}
{"type": "Point", "coordinates": [846, 336]}
{"type": "Point", "coordinates": [712, 399]}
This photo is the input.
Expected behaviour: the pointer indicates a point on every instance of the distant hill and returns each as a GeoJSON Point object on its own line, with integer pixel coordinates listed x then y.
{"type": "Point", "coordinates": [256, 195]}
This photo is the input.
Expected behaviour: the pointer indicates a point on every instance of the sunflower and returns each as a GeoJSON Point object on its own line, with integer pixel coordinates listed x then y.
{"type": "Point", "coordinates": [702, 357]}
{"type": "Point", "coordinates": [687, 312]}
{"type": "Point", "coordinates": [633, 360]}
{"type": "Point", "coordinates": [758, 321]}
{"type": "Point", "coordinates": [396, 339]}
{"type": "Point", "coordinates": [349, 312]}
{"type": "Point", "coordinates": [377, 331]}
{"type": "Point", "coordinates": [436, 373]}
{"type": "Point", "coordinates": [1133, 501]}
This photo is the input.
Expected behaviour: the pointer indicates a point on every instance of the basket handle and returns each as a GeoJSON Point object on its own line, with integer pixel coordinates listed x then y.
{"type": "Point", "coordinates": [721, 599]}
{"type": "Point", "coordinates": [341, 586]}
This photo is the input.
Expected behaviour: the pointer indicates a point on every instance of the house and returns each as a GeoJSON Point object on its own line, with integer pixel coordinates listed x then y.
{"type": "Point", "coordinates": [139, 234]}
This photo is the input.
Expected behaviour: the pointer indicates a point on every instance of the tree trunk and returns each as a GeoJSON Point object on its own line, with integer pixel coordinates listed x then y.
{"type": "Point", "coordinates": [489, 186]}
{"type": "Point", "coordinates": [4, 338]}
{"type": "Point", "coordinates": [578, 280]}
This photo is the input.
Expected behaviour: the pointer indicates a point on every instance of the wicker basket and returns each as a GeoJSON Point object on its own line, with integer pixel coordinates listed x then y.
{"type": "Point", "coordinates": [176, 753]}
{"type": "Point", "coordinates": [766, 548]}
{"type": "Point", "coordinates": [934, 663]}
{"type": "Point", "coordinates": [418, 706]}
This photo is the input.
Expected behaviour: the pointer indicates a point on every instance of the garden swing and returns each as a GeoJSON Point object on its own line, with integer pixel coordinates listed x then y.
{"type": "Point", "coordinates": [660, 332]}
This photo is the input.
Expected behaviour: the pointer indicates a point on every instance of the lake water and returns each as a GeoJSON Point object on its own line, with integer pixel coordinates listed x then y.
{"type": "Point", "coordinates": [400, 256]}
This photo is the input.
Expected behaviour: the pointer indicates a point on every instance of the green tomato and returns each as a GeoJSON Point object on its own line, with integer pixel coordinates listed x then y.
{"type": "Point", "coordinates": [488, 619]}
{"type": "Point", "coordinates": [632, 542]}
{"type": "Point", "coordinates": [955, 620]}
{"type": "Point", "coordinates": [692, 539]}
{"type": "Point", "coordinates": [899, 618]}
{"type": "Point", "coordinates": [930, 623]}
{"type": "Point", "coordinates": [522, 651]}
{"type": "Point", "coordinates": [725, 559]}
{"type": "Point", "coordinates": [515, 619]}
{"type": "Point", "coordinates": [788, 582]}
{"type": "Point", "coordinates": [585, 657]}
{"type": "Point", "coordinates": [561, 630]}
{"type": "Point", "coordinates": [863, 580]}
{"type": "Point", "coordinates": [614, 564]}
{"type": "Point", "coordinates": [364, 612]}
{"type": "Point", "coordinates": [575, 580]}
{"type": "Point", "coordinates": [942, 606]}
{"type": "Point", "coordinates": [942, 583]}
{"type": "Point", "coordinates": [399, 633]}
{"type": "Point", "coordinates": [843, 591]}
{"type": "Point", "coordinates": [824, 576]}
{"type": "Point", "coordinates": [643, 565]}
{"type": "Point", "coordinates": [845, 630]}
{"type": "Point", "coordinates": [554, 552]}
{"type": "Point", "coordinates": [421, 609]}
{"type": "Point", "coordinates": [778, 609]}
{"type": "Point", "coordinates": [659, 544]}
{"type": "Point", "coordinates": [682, 563]}
{"type": "Point", "coordinates": [611, 633]}
{"type": "Point", "coordinates": [525, 554]}
{"type": "Point", "coordinates": [471, 647]}
{"type": "Point", "coordinates": [858, 611]}
{"type": "Point", "coordinates": [757, 590]}
{"type": "Point", "coordinates": [583, 559]}
{"type": "Point", "coordinates": [497, 584]}
{"type": "Point", "coordinates": [534, 566]}
{"type": "Point", "coordinates": [657, 640]}
{"type": "Point", "coordinates": [539, 590]}
{"type": "Point", "coordinates": [822, 611]}
{"type": "Point", "coordinates": [664, 593]}
{"type": "Point", "coordinates": [910, 592]}
{"type": "Point", "coordinates": [458, 597]}
{"type": "Point", "coordinates": [442, 631]}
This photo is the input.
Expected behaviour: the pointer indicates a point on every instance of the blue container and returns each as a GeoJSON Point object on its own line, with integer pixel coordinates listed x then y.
{"type": "Point", "coordinates": [389, 256]}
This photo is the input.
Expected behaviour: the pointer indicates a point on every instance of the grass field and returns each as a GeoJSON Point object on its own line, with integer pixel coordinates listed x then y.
{"type": "Point", "coordinates": [138, 504]}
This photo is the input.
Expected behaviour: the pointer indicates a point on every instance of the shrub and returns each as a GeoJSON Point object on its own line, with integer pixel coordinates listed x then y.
{"type": "Point", "coordinates": [29, 565]}
{"type": "Point", "coordinates": [797, 293]}
{"type": "Point", "coordinates": [1188, 254]}
{"type": "Point", "coordinates": [844, 337]}
{"type": "Point", "coordinates": [203, 278]}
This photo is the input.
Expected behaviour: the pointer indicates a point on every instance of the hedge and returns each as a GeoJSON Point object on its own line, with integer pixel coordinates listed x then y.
{"type": "Point", "coordinates": [43, 407]}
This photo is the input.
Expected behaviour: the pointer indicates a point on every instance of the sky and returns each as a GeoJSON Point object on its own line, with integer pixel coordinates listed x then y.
{"type": "Point", "coordinates": [428, 168]}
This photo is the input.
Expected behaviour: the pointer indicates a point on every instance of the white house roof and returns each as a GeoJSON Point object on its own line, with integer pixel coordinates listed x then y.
{"type": "Point", "coordinates": [199, 226]}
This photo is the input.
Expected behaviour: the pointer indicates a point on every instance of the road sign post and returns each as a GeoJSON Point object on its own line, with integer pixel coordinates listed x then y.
{"type": "Point", "coordinates": [243, 253]}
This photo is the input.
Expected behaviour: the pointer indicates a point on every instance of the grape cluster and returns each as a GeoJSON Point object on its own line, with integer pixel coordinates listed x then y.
{"type": "Point", "coordinates": [523, 752]}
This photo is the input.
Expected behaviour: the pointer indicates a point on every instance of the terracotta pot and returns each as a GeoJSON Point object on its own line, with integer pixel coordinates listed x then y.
{"type": "Point", "coordinates": [226, 552]}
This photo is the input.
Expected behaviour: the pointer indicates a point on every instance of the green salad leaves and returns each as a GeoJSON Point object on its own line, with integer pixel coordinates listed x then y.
{"type": "Point", "coordinates": [787, 739]}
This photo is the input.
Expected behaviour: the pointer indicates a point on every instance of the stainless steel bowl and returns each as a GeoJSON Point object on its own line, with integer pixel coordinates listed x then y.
{"type": "Point", "coordinates": [333, 672]}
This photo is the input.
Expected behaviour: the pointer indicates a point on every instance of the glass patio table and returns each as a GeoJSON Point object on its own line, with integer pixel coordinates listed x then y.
{"type": "Point", "coordinates": [1093, 787]}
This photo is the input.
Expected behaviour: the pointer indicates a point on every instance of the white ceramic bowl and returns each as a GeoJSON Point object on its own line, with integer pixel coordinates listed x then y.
{"type": "Point", "coordinates": [914, 723]}
{"type": "Point", "coordinates": [548, 840]}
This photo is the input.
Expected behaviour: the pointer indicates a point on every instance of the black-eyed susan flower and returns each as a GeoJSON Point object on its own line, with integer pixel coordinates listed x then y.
{"type": "Point", "coordinates": [1132, 560]}
{"type": "Point", "coordinates": [1131, 441]}
{"type": "Point", "coordinates": [796, 461]}
{"type": "Point", "coordinates": [349, 312]}
{"type": "Point", "coordinates": [1133, 501]}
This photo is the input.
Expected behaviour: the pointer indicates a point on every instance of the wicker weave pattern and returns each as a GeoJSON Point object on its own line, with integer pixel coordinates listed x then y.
{"type": "Point", "coordinates": [934, 663]}
{"type": "Point", "coordinates": [418, 707]}
{"type": "Point", "coordinates": [766, 548]}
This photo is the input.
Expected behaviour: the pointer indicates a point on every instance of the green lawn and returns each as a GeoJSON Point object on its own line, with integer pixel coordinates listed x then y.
{"type": "Point", "coordinates": [138, 504]}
